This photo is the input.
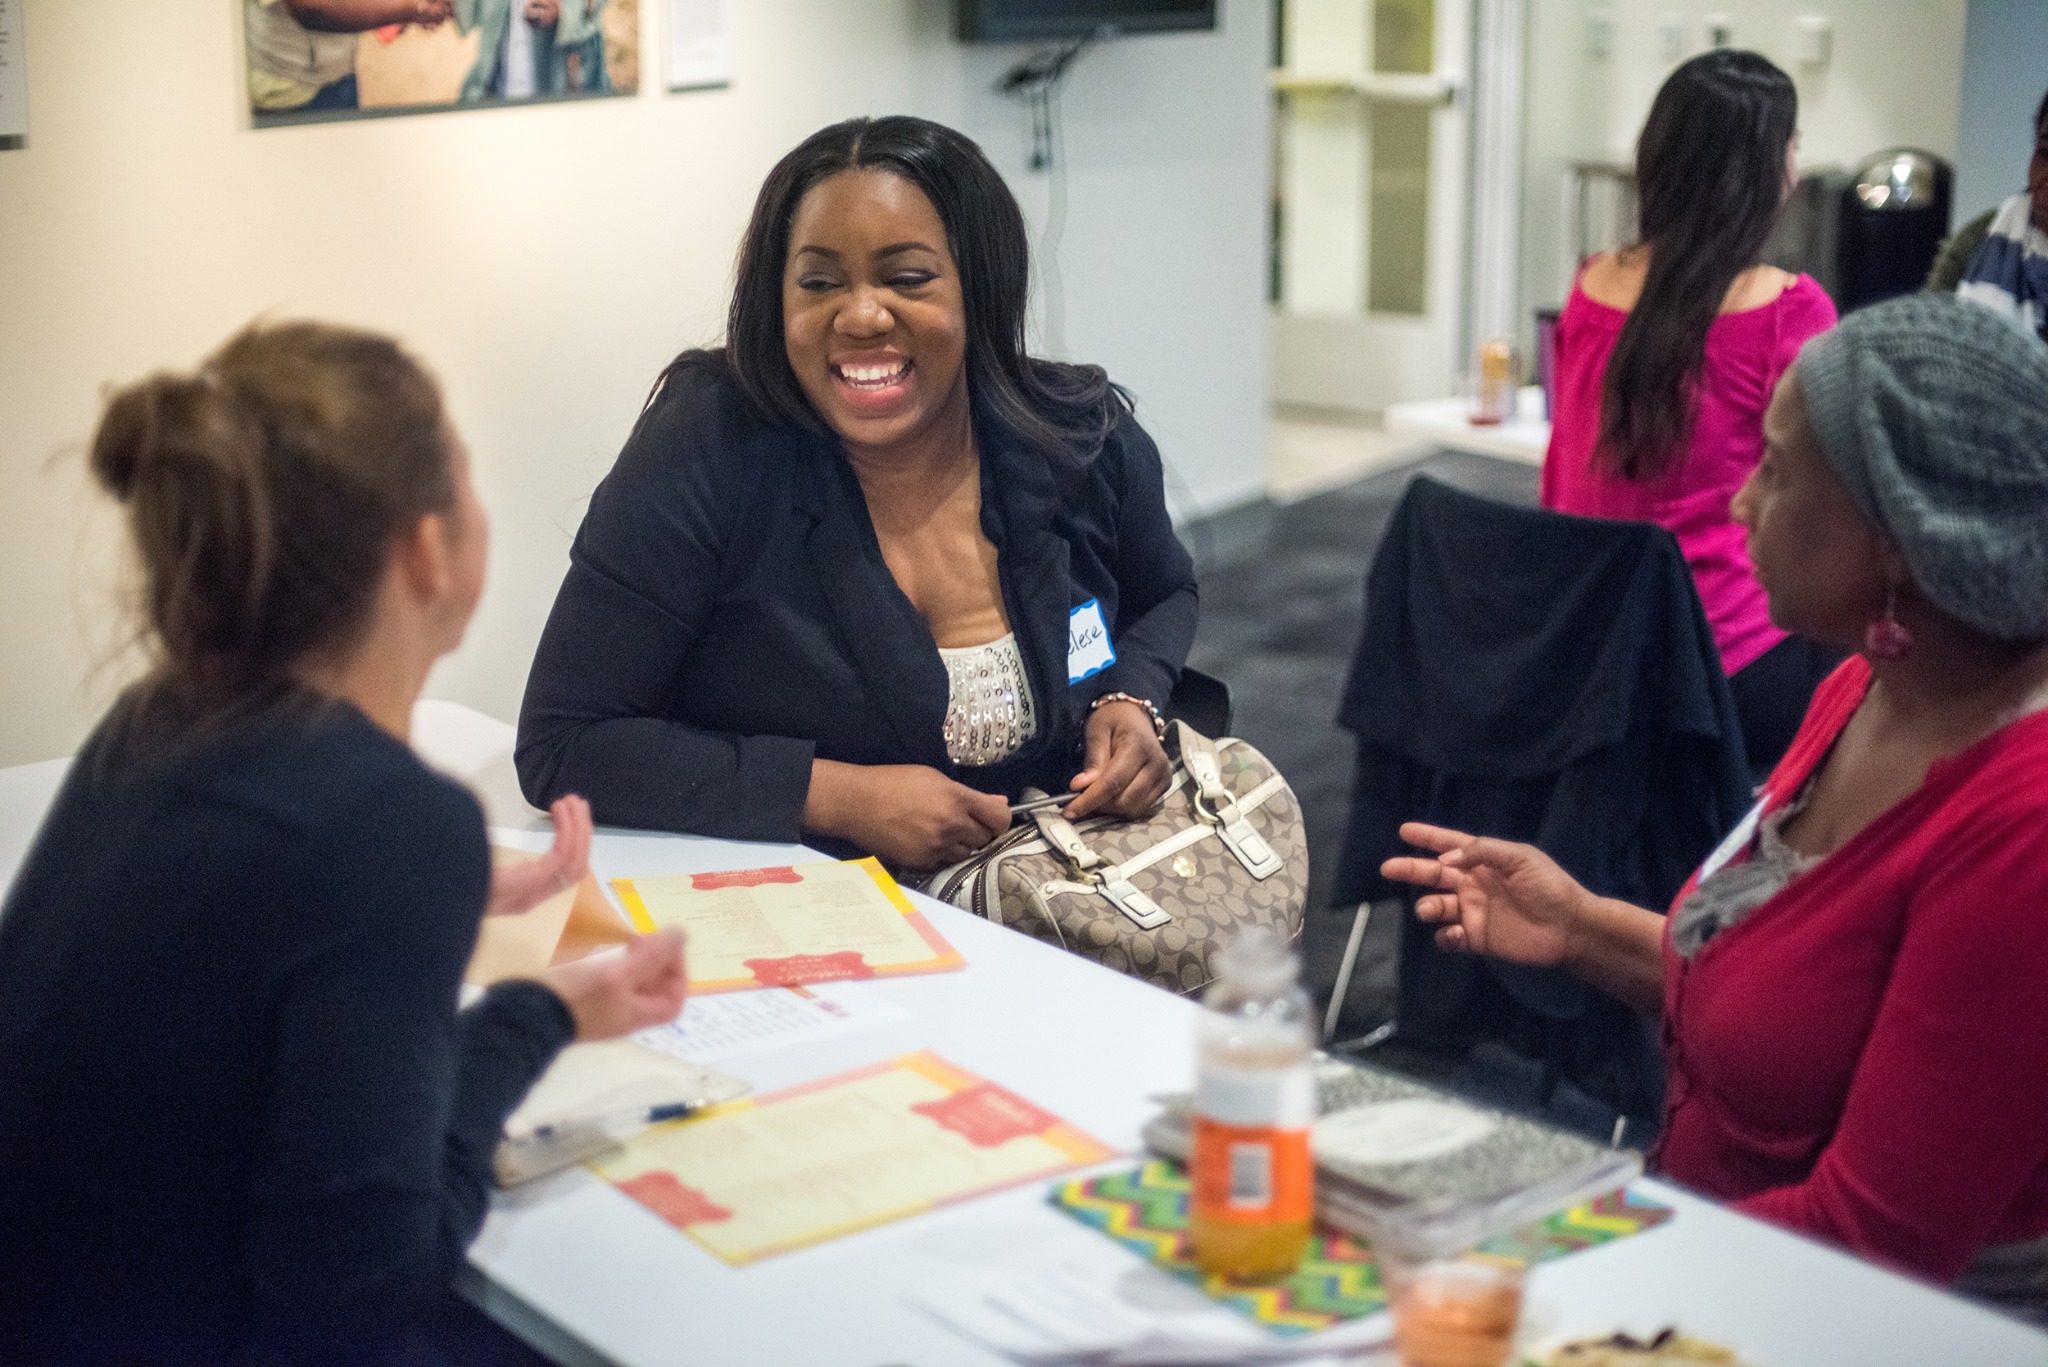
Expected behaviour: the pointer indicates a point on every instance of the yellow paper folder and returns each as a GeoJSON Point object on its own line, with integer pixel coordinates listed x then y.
{"type": "Point", "coordinates": [783, 927]}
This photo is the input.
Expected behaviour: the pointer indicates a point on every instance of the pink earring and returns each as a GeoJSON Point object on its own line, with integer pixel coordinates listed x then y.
{"type": "Point", "coordinates": [1886, 638]}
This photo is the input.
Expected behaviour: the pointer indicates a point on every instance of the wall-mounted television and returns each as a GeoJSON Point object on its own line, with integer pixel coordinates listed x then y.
{"type": "Point", "coordinates": [1025, 21]}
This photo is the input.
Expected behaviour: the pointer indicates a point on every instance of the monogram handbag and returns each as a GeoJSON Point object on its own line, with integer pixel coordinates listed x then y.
{"type": "Point", "coordinates": [1153, 897]}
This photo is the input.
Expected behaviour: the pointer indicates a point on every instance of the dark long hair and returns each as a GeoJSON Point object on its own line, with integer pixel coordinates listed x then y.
{"type": "Point", "coordinates": [1710, 172]}
{"type": "Point", "coordinates": [1062, 412]}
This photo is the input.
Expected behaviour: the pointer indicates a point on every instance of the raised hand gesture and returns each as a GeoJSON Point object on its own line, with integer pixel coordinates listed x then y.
{"type": "Point", "coordinates": [524, 885]}
{"type": "Point", "coordinates": [1489, 896]}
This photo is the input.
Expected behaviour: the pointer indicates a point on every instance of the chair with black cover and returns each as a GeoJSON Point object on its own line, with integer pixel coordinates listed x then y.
{"type": "Point", "coordinates": [1545, 678]}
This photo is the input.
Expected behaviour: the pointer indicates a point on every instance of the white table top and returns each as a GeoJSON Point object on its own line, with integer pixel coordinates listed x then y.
{"type": "Point", "coordinates": [592, 1275]}
{"type": "Point", "coordinates": [1448, 422]}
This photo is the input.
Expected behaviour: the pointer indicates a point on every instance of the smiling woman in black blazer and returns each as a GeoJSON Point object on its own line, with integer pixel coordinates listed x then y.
{"type": "Point", "coordinates": [868, 571]}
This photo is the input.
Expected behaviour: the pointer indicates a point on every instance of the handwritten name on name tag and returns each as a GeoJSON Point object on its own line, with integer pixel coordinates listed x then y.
{"type": "Point", "coordinates": [1088, 648]}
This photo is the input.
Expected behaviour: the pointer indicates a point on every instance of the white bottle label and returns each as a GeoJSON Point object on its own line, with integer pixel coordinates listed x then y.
{"type": "Point", "coordinates": [1251, 1176]}
{"type": "Point", "coordinates": [1276, 1098]}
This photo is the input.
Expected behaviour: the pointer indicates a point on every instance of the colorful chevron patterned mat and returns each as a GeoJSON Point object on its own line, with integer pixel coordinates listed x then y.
{"type": "Point", "coordinates": [1146, 1210]}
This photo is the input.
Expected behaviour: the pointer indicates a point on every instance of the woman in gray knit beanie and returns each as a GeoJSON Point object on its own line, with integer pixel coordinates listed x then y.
{"type": "Point", "coordinates": [1933, 413]}
{"type": "Point", "coordinates": [1852, 986]}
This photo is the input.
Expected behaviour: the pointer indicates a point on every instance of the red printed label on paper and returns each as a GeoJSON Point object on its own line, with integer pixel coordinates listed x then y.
{"type": "Point", "coordinates": [743, 878]}
{"type": "Point", "coordinates": [986, 1115]}
{"type": "Point", "coordinates": [665, 1195]}
{"type": "Point", "coordinates": [809, 968]}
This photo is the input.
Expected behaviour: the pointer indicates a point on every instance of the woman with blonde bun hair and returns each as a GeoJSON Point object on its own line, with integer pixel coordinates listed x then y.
{"type": "Point", "coordinates": [240, 1115]}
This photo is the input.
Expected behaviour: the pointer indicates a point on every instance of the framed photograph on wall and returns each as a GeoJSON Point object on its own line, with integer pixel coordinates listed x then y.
{"type": "Point", "coordinates": [313, 60]}
{"type": "Point", "coordinates": [13, 75]}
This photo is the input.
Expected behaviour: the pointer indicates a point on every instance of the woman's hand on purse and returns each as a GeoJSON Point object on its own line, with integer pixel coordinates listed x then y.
{"type": "Point", "coordinates": [909, 815]}
{"type": "Point", "coordinates": [1126, 770]}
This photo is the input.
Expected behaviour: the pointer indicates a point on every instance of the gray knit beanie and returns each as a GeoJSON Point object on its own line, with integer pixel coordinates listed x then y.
{"type": "Point", "coordinates": [1934, 412]}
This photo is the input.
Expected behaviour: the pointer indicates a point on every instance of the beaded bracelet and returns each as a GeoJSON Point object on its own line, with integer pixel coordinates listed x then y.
{"type": "Point", "coordinates": [1158, 722]}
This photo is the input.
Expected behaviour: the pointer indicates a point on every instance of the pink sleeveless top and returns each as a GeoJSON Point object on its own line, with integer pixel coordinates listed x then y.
{"type": "Point", "coordinates": [1746, 353]}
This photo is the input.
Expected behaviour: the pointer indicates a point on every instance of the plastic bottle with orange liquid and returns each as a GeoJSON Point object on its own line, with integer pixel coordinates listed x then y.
{"type": "Point", "coordinates": [1255, 1102]}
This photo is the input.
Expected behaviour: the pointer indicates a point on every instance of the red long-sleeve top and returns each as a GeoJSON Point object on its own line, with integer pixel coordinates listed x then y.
{"type": "Point", "coordinates": [1864, 1058]}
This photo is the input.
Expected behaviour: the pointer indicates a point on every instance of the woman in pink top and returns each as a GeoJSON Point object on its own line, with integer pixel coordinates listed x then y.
{"type": "Point", "coordinates": [1667, 354]}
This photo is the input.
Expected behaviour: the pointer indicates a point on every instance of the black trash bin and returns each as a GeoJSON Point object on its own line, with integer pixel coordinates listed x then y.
{"type": "Point", "coordinates": [1894, 214]}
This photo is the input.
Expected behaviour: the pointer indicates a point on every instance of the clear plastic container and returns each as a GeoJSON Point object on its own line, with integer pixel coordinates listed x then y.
{"type": "Point", "coordinates": [1255, 1104]}
{"type": "Point", "coordinates": [1455, 1312]}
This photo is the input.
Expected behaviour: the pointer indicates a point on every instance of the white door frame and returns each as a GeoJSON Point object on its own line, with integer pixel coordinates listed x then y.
{"type": "Point", "coordinates": [1500, 41]}
{"type": "Point", "coordinates": [1329, 357]}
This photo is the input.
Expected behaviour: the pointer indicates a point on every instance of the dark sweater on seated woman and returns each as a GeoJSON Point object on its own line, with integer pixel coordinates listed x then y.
{"type": "Point", "coordinates": [240, 1115]}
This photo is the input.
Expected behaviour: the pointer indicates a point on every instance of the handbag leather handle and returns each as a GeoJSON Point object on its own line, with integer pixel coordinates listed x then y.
{"type": "Point", "coordinates": [1217, 805]}
{"type": "Point", "coordinates": [1061, 835]}
{"type": "Point", "coordinates": [1198, 756]}
{"type": "Point", "coordinates": [1089, 867]}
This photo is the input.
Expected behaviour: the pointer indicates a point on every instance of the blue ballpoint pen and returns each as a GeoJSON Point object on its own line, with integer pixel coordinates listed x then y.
{"type": "Point", "coordinates": [639, 1115]}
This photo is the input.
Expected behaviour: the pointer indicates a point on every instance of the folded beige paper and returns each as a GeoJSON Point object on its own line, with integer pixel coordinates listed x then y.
{"type": "Point", "coordinates": [569, 925]}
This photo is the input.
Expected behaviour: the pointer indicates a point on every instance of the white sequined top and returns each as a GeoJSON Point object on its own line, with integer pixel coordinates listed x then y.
{"type": "Point", "coordinates": [989, 714]}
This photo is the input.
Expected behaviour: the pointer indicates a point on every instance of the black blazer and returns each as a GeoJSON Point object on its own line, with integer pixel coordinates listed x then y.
{"type": "Point", "coordinates": [727, 617]}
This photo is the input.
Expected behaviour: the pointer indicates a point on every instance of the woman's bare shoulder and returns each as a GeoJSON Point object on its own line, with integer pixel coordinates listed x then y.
{"type": "Point", "coordinates": [1756, 287]}
{"type": "Point", "coordinates": [1616, 278]}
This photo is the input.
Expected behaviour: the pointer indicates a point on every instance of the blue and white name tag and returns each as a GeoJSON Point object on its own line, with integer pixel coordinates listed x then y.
{"type": "Point", "coordinates": [1737, 841]}
{"type": "Point", "coordinates": [1088, 647]}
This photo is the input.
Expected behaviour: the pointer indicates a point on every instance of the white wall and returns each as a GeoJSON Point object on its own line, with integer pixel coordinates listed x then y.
{"type": "Point", "coordinates": [1895, 78]}
{"type": "Point", "coordinates": [2005, 71]}
{"type": "Point", "coordinates": [547, 261]}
